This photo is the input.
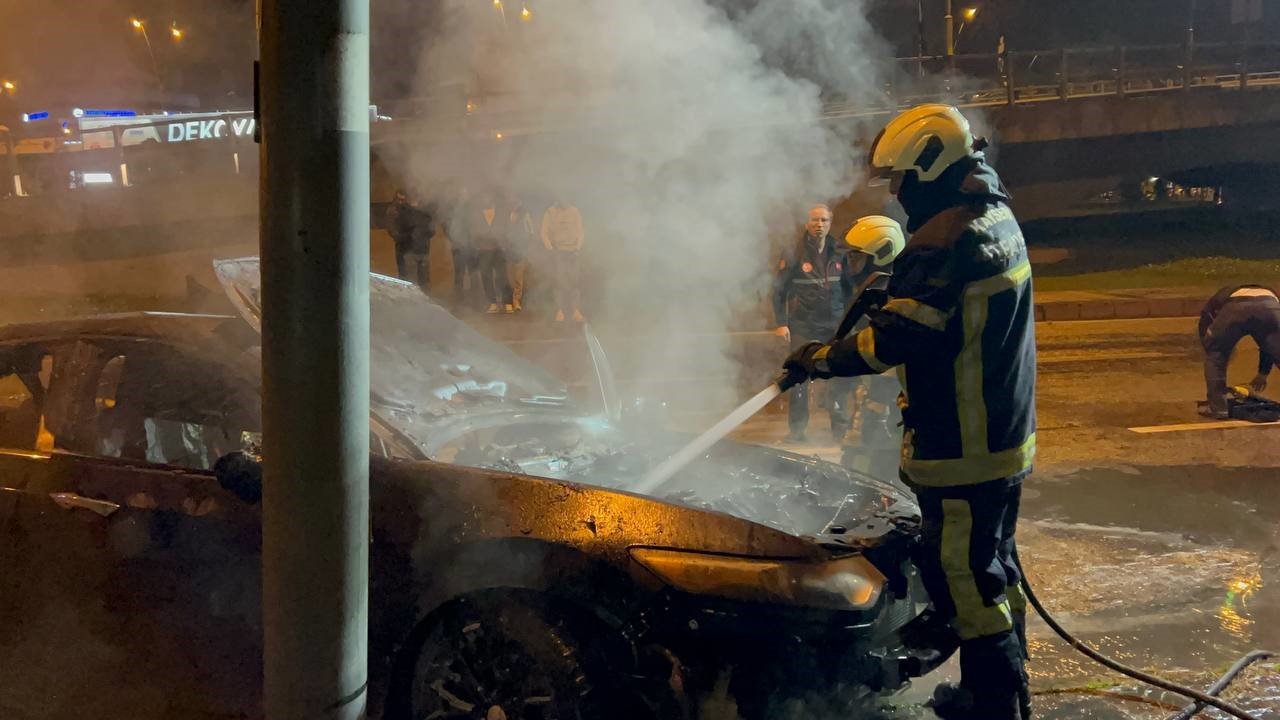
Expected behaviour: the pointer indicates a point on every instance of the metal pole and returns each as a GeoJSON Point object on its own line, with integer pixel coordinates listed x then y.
{"type": "Point", "coordinates": [920, 47]}
{"type": "Point", "coordinates": [1121, 70]}
{"type": "Point", "coordinates": [1244, 58]}
{"type": "Point", "coordinates": [314, 206]}
{"type": "Point", "coordinates": [951, 38]}
{"type": "Point", "coordinates": [1189, 60]}
{"type": "Point", "coordinates": [155, 67]}
{"type": "Point", "coordinates": [1064, 88]}
{"type": "Point", "coordinates": [1011, 94]}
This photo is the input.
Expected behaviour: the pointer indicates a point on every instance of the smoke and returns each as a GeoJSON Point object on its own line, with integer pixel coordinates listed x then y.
{"type": "Point", "coordinates": [688, 136]}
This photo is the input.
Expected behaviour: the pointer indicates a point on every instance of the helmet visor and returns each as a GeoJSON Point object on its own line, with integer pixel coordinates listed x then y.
{"type": "Point", "coordinates": [881, 176]}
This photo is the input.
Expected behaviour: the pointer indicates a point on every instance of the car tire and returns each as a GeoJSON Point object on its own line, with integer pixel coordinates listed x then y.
{"type": "Point", "coordinates": [505, 656]}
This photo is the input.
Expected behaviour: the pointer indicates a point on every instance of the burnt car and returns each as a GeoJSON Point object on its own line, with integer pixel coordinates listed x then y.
{"type": "Point", "coordinates": [512, 573]}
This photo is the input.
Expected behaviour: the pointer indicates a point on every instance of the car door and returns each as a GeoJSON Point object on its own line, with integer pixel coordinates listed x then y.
{"type": "Point", "coordinates": [49, 613]}
{"type": "Point", "coordinates": [142, 570]}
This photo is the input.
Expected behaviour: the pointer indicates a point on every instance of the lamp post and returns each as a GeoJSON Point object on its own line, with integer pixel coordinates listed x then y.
{"type": "Point", "coordinates": [949, 22]}
{"type": "Point", "coordinates": [966, 16]}
{"type": "Point", "coordinates": [141, 26]}
{"type": "Point", "coordinates": [1189, 61]}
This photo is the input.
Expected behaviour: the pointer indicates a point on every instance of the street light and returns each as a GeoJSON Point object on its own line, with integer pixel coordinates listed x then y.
{"type": "Point", "coordinates": [966, 16]}
{"type": "Point", "coordinates": [141, 27]}
{"type": "Point", "coordinates": [9, 86]}
{"type": "Point", "coordinates": [176, 32]}
{"type": "Point", "coordinates": [526, 14]}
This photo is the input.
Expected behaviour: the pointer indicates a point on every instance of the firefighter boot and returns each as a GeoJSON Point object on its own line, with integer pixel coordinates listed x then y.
{"type": "Point", "coordinates": [993, 672]}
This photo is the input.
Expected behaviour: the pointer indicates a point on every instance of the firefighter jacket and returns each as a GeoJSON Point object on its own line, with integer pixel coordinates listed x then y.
{"type": "Point", "coordinates": [811, 286]}
{"type": "Point", "coordinates": [959, 328]}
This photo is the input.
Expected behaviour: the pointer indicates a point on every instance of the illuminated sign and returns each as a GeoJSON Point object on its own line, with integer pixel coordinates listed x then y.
{"type": "Point", "coordinates": [109, 113]}
{"type": "Point", "coordinates": [210, 129]}
{"type": "Point", "coordinates": [32, 117]}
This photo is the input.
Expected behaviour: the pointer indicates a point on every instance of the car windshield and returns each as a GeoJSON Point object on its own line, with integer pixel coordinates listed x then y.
{"type": "Point", "coordinates": [425, 365]}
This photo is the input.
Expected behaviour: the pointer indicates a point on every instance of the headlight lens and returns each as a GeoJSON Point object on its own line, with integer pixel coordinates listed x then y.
{"type": "Point", "coordinates": [850, 583]}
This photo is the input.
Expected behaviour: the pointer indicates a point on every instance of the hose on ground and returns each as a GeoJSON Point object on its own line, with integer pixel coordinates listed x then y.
{"type": "Point", "coordinates": [1216, 689]}
{"type": "Point", "coordinates": [1203, 698]}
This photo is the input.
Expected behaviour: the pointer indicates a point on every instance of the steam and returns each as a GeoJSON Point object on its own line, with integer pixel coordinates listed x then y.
{"type": "Point", "coordinates": [688, 137]}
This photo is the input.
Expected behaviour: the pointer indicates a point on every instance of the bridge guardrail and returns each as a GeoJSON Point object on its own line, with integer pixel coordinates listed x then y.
{"type": "Point", "coordinates": [1028, 76]}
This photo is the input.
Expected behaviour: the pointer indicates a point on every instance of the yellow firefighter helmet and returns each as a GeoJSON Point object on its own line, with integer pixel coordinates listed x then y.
{"type": "Point", "coordinates": [927, 139]}
{"type": "Point", "coordinates": [878, 236]}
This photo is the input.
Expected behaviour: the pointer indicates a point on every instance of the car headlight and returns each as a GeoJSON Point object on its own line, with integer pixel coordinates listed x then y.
{"type": "Point", "coordinates": [850, 583]}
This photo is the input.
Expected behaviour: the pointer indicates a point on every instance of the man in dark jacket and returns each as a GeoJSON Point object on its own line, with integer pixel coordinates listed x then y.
{"type": "Point", "coordinates": [1230, 315]}
{"type": "Point", "coordinates": [487, 231]}
{"type": "Point", "coordinates": [810, 290]}
{"type": "Point", "coordinates": [959, 324]}
{"type": "Point", "coordinates": [403, 225]}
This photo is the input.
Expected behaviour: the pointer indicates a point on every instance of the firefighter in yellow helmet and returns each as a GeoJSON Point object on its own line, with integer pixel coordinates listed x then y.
{"type": "Point", "coordinates": [874, 442]}
{"type": "Point", "coordinates": [959, 326]}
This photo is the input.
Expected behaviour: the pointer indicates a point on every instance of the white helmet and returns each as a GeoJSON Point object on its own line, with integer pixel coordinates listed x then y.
{"type": "Point", "coordinates": [877, 236]}
{"type": "Point", "coordinates": [927, 139]}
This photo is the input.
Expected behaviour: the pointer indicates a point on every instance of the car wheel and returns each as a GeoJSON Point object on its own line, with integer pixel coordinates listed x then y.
{"type": "Point", "coordinates": [502, 657]}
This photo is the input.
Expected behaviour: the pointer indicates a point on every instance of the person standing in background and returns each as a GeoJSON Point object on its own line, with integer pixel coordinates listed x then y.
{"type": "Point", "coordinates": [417, 258]}
{"type": "Point", "coordinates": [562, 234]}
{"type": "Point", "coordinates": [487, 226]}
{"type": "Point", "coordinates": [519, 244]}
{"type": "Point", "coordinates": [400, 225]}
{"type": "Point", "coordinates": [485, 229]}
{"type": "Point", "coordinates": [463, 251]}
{"type": "Point", "coordinates": [810, 289]}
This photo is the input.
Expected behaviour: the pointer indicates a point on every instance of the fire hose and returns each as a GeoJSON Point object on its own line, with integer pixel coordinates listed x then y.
{"type": "Point", "coordinates": [858, 307]}
{"type": "Point", "coordinates": [651, 483]}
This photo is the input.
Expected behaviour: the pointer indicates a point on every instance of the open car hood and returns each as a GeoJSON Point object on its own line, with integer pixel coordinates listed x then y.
{"type": "Point", "coordinates": [427, 368]}
{"type": "Point", "coordinates": [462, 398]}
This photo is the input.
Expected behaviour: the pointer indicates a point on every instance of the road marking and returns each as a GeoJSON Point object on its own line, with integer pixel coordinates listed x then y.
{"type": "Point", "coordinates": [1215, 425]}
{"type": "Point", "coordinates": [1050, 357]}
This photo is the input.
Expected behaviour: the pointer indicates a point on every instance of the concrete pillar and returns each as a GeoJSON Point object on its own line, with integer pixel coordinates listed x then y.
{"type": "Point", "coordinates": [314, 204]}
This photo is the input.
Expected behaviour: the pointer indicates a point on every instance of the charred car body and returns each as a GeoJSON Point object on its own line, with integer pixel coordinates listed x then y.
{"type": "Point", "coordinates": [511, 575]}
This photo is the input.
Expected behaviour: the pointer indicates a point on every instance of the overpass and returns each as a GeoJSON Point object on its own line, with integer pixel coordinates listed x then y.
{"type": "Point", "coordinates": [1072, 129]}
{"type": "Point", "coordinates": [1076, 131]}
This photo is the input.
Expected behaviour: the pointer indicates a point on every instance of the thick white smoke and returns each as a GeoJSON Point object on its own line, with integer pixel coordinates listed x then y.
{"type": "Point", "coordinates": [688, 138]}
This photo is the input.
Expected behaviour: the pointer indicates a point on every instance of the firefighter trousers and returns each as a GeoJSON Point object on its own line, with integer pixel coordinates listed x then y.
{"type": "Point", "coordinates": [966, 561]}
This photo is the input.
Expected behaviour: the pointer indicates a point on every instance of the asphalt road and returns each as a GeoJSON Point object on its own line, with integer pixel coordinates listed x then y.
{"type": "Point", "coordinates": [1161, 549]}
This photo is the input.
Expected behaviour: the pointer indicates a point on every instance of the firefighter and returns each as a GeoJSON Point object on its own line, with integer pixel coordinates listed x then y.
{"type": "Point", "coordinates": [875, 441]}
{"type": "Point", "coordinates": [810, 290]}
{"type": "Point", "coordinates": [1230, 315]}
{"type": "Point", "coordinates": [958, 323]}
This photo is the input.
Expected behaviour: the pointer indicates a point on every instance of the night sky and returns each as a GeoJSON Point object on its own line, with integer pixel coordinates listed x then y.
{"type": "Point", "coordinates": [67, 53]}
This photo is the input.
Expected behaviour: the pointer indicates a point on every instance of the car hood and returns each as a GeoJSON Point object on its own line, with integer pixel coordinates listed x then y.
{"type": "Point", "coordinates": [457, 396]}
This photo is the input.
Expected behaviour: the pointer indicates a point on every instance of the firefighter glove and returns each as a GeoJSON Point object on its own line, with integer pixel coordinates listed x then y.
{"type": "Point", "coordinates": [807, 362]}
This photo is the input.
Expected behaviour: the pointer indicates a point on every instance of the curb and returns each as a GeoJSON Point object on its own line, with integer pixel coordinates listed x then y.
{"type": "Point", "coordinates": [1122, 309]}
